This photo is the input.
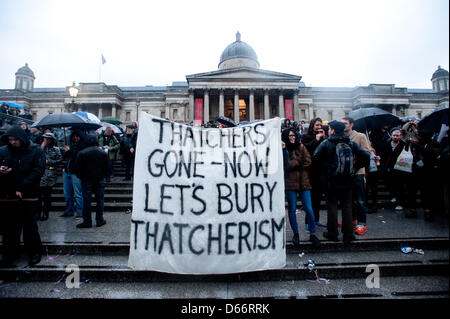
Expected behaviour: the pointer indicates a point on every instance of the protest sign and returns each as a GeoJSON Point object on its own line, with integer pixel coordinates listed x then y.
{"type": "Point", "coordinates": [207, 201]}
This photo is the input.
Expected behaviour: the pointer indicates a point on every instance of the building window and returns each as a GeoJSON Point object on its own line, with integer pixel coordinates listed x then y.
{"type": "Point", "coordinates": [163, 114]}
{"type": "Point", "coordinates": [419, 115]}
{"type": "Point", "coordinates": [127, 116]}
{"type": "Point", "coordinates": [175, 114]}
{"type": "Point", "coordinates": [34, 116]}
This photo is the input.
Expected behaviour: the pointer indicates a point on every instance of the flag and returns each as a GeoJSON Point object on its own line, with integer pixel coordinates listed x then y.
{"type": "Point", "coordinates": [103, 59]}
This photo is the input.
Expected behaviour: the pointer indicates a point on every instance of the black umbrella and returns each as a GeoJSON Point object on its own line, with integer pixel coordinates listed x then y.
{"type": "Point", "coordinates": [372, 118]}
{"type": "Point", "coordinates": [226, 121]}
{"type": "Point", "coordinates": [431, 123]}
{"type": "Point", "coordinates": [66, 120]}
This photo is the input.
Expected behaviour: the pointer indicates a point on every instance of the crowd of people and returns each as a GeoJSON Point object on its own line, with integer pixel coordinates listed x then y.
{"type": "Point", "coordinates": [31, 162]}
{"type": "Point", "coordinates": [322, 160]}
{"type": "Point", "coordinates": [335, 162]}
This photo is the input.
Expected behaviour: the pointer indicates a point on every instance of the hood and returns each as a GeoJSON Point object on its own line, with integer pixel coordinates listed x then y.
{"type": "Point", "coordinates": [337, 138]}
{"type": "Point", "coordinates": [81, 134]}
{"type": "Point", "coordinates": [91, 140]}
{"type": "Point", "coordinates": [17, 132]}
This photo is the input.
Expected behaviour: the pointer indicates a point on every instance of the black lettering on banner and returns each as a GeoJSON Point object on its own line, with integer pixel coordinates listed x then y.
{"type": "Point", "coordinates": [190, 135]}
{"type": "Point", "coordinates": [181, 187]}
{"type": "Point", "coordinates": [160, 166]}
{"type": "Point", "coordinates": [229, 237]}
{"type": "Point", "coordinates": [191, 235]}
{"type": "Point", "coordinates": [243, 236]}
{"type": "Point", "coordinates": [179, 133]}
{"type": "Point", "coordinates": [259, 165]}
{"type": "Point", "coordinates": [240, 164]}
{"type": "Point", "coordinates": [154, 235]}
{"type": "Point", "coordinates": [161, 203]}
{"type": "Point", "coordinates": [236, 193]}
{"type": "Point", "coordinates": [180, 235]}
{"type": "Point", "coordinates": [260, 133]}
{"type": "Point", "coordinates": [166, 236]}
{"type": "Point", "coordinates": [271, 193]}
{"type": "Point", "coordinates": [136, 224]}
{"type": "Point", "coordinates": [222, 135]}
{"type": "Point", "coordinates": [256, 196]}
{"type": "Point", "coordinates": [226, 162]}
{"type": "Point", "coordinates": [187, 166]}
{"type": "Point", "coordinates": [211, 238]}
{"type": "Point", "coordinates": [146, 209]}
{"type": "Point", "coordinates": [224, 197]}
{"type": "Point", "coordinates": [161, 130]}
{"type": "Point", "coordinates": [246, 135]}
{"type": "Point", "coordinates": [264, 234]}
{"type": "Point", "coordinates": [234, 139]}
{"type": "Point", "coordinates": [207, 140]}
{"type": "Point", "coordinates": [199, 199]}
{"type": "Point", "coordinates": [197, 163]}
{"type": "Point", "coordinates": [278, 228]}
{"type": "Point", "coordinates": [166, 161]}
{"type": "Point", "coordinates": [255, 235]}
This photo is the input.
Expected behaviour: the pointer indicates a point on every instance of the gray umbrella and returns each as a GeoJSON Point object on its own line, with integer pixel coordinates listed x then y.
{"type": "Point", "coordinates": [372, 118]}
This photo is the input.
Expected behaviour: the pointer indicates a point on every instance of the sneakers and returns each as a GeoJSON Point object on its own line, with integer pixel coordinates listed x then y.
{"type": "Point", "coordinates": [101, 223]}
{"type": "Point", "coordinates": [361, 229]}
{"type": "Point", "coordinates": [399, 207]}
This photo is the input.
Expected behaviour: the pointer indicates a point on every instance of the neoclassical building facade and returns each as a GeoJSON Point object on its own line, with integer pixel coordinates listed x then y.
{"type": "Point", "coordinates": [238, 89]}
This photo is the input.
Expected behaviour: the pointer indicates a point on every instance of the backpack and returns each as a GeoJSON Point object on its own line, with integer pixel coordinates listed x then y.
{"type": "Point", "coordinates": [343, 161]}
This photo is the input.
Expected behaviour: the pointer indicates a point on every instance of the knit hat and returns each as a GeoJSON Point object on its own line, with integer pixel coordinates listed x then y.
{"type": "Point", "coordinates": [337, 126]}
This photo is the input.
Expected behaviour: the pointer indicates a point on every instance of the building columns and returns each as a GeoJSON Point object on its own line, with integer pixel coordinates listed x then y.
{"type": "Point", "coordinates": [266, 104]}
{"type": "Point", "coordinates": [113, 110]}
{"type": "Point", "coordinates": [221, 103]}
{"type": "Point", "coordinates": [281, 104]}
{"type": "Point", "coordinates": [236, 106]}
{"type": "Point", "coordinates": [296, 110]}
{"type": "Point", "coordinates": [251, 109]}
{"type": "Point", "coordinates": [190, 115]}
{"type": "Point", "coordinates": [206, 106]}
{"type": "Point", "coordinates": [100, 112]}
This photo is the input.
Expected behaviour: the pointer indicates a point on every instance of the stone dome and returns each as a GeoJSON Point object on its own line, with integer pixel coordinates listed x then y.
{"type": "Point", "coordinates": [238, 54]}
{"type": "Point", "coordinates": [440, 72]}
{"type": "Point", "coordinates": [25, 70]}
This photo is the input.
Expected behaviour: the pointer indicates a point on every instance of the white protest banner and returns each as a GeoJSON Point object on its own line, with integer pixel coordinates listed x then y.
{"type": "Point", "coordinates": [207, 201]}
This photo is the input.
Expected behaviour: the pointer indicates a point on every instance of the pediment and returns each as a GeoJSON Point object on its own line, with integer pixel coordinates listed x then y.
{"type": "Point", "coordinates": [243, 74]}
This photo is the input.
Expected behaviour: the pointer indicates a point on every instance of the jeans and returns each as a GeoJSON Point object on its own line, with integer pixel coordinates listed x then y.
{"type": "Point", "coordinates": [73, 194]}
{"type": "Point", "coordinates": [360, 209]}
{"type": "Point", "coordinates": [97, 188]}
{"type": "Point", "coordinates": [305, 197]}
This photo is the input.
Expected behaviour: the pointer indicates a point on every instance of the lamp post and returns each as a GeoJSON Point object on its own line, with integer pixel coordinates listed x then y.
{"type": "Point", "coordinates": [137, 109]}
{"type": "Point", "coordinates": [73, 92]}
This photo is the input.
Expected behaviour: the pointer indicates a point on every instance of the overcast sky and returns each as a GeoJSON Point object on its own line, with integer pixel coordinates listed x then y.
{"type": "Point", "coordinates": [334, 43]}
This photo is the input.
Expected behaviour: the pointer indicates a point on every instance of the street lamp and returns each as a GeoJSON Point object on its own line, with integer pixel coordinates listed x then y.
{"type": "Point", "coordinates": [73, 92]}
{"type": "Point", "coordinates": [137, 109]}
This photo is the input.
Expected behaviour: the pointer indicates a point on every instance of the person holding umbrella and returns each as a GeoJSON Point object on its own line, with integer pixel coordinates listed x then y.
{"type": "Point", "coordinates": [72, 184]}
{"type": "Point", "coordinates": [110, 145]}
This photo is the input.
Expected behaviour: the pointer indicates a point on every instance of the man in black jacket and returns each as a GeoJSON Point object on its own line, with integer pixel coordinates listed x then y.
{"type": "Point", "coordinates": [339, 187]}
{"type": "Point", "coordinates": [22, 166]}
{"type": "Point", "coordinates": [92, 166]}
{"type": "Point", "coordinates": [128, 151]}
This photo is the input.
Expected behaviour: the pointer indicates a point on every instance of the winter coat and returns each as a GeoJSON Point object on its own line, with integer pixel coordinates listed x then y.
{"type": "Point", "coordinates": [296, 176]}
{"type": "Point", "coordinates": [27, 164]}
{"type": "Point", "coordinates": [53, 158]}
{"type": "Point", "coordinates": [362, 140]}
{"type": "Point", "coordinates": [72, 153]}
{"type": "Point", "coordinates": [324, 156]}
{"type": "Point", "coordinates": [92, 163]}
{"type": "Point", "coordinates": [112, 143]}
{"type": "Point", "coordinates": [128, 142]}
